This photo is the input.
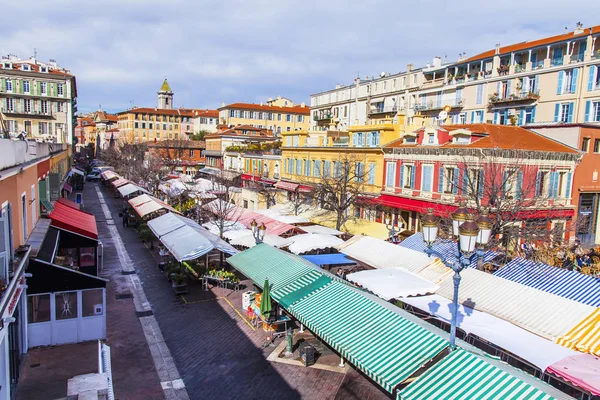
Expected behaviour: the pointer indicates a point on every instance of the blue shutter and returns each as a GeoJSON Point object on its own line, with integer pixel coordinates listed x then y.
{"type": "Point", "coordinates": [588, 106]}
{"type": "Point", "coordinates": [496, 117]}
{"type": "Point", "coordinates": [553, 189]}
{"type": "Point", "coordinates": [560, 82]}
{"type": "Point", "coordinates": [480, 94]}
{"type": "Point", "coordinates": [525, 87]}
{"type": "Point", "coordinates": [506, 120]}
{"type": "Point", "coordinates": [507, 88]}
{"type": "Point", "coordinates": [568, 191]}
{"type": "Point", "coordinates": [401, 184]}
{"type": "Point", "coordinates": [498, 88]}
{"type": "Point", "coordinates": [533, 114]}
{"type": "Point", "coordinates": [458, 95]}
{"type": "Point", "coordinates": [369, 141]}
{"type": "Point", "coordinates": [519, 184]}
{"type": "Point", "coordinates": [536, 87]}
{"type": "Point", "coordinates": [481, 184]}
{"type": "Point", "coordinates": [441, 181]}
{"type": "Point", "coordinates": [505, 183]}
{"type": "Point", "coordinates": [538, 182]}
{"type": "Point", "coordinates": [371, 173]}
{"type": "Point", "coordinates": [570, 115]}
{"type": "Point", "coordinates": [521, 116]}
{"type": "Point", "coordinates": [412, 177]}
{"type": "Point", "coordinates": [574, 80]}
{"type": "Point", "coordinates": [425, 170]}
{"type": "Point", "coordinates": [556, 112]}
{"type": "Point", "coordinates": [455, 181]}
{"type": "Point", "coordinates": [591, 78]}
{"type": "Point", "coordinates": [472, 117]}
{"type": "Point", "coordinates": [389, 174]}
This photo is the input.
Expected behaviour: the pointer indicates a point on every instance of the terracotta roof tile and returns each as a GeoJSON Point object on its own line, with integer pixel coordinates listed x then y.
{"type": "Point", "coordinates": [498, 137]}
{"type": "Point", "coordinates": [534, 43]}
{"type": "Point", "coordinates": [260, 107]}
{"type": "Point", "coordinates": [206, 113]}
{"type": "Point", "coordinates": [158, 111]}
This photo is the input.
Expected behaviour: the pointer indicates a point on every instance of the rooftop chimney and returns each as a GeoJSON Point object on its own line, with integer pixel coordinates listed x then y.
{"type": "Point", "coordinates": [302, 105]}
{"type": "Point", "coordinates": [222, 104]}
{"type": "Point", "coordinates": [437, 61]}
{"type": "Point", "coordinates": [578, 28]}
{"type": "Point", "coordinates": [409, 67]}
{"type": "Point", "coordinates": [497, 48]}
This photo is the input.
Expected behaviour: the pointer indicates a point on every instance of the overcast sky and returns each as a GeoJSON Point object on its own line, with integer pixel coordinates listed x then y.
{"type": "Point", "coordinates": [247, 51]}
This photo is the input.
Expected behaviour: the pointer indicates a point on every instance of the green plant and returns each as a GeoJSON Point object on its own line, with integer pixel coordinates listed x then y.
{"type": "Point", "coordinates": [179, 278]}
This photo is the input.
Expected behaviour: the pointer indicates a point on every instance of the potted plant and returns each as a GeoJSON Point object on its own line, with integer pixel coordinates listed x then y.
{"type": "Point", "coordinates": [179, 282]}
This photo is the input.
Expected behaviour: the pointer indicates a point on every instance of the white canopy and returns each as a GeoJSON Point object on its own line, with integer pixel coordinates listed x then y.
{"type": "Point", "coordinates": [185, 239]}
{"type": "Point", "coordinates": [77, 171]}
{"type": "Point", "coordinates": [130, 188]}
{"type": "Point", "coordinates": [321, 229]}
{"type": "Point", "coordinates": [228, 226]}
{"type": "Point", "coordinates": [392, 283]}
{"type": "Point", "coordinates": [146, 204]}
{"type": "Point", "coordinates": [246, 239]}
{"type": "Point", "coordinates": [530, 347]}
{"type": "Point", "coordinates": [381, 254]}
{"type": "Point", "coordinates": [312, 241]}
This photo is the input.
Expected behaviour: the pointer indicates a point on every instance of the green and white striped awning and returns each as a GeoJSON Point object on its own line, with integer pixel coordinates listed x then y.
{"type": "Point", "coordinates": [263, 261]}
{"type": "Point", "coordinates": [464, 376]}
{"type": "Point", "coordinates": [381, 343]}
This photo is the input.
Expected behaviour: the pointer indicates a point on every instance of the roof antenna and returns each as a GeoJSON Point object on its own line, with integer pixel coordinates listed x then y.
{"type": "Point", "coordinates": [34, 53]}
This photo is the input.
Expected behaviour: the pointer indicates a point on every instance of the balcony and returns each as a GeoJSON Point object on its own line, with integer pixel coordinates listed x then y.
{"type": "Point", "coordinates": [538, 65]}
{"type": "Point", "coordinates": [520, 97]}
{"type": "Point", "coordinates": [341, 142]}
{"type": "Point", "coordinates": [555, 62]}
{"type": "Point", "coordinates": [596, 55]}
{"type": "Point", "coordinates": [436, 105]}
{"type": "Point", "coordinates": [30, 113]}
{"type": "Point", "coordinates": [323, 117]}
{"type": "Point", "coordinates": [383, 110]}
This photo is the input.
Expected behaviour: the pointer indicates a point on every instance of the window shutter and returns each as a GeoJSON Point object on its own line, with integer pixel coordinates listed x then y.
{"type": "Point", "coordinates": [507, 88]}
{"type": "Point", "coordinates": [498, 88]}
{"type": "Point", "coordinates": [525, 87]}
{"type": "Point", "coordinates": [521, 116]}
{"type": "Point", "coordinates": [560, 82]}
{"type": "Point", "coordinates": [372, 173]}
{"type": "Point", "coordinates": [455, 181]}
{"type": "Point", "coordinates": [479, 94]}
{"type": "Point", "coordinates": [472, 117]}
{"type": "Point", "coordinates": [588, 105]}
{"type": "Point", "coordinates": [533, 114]}
{"type": "Point", "coordinates": [496, 117]}
{"type": "Point", "coordinates": [401, 176]}
{"type": "Point", "coordinates": [412, 177]}
{"type": "Point", "coordinates": [538, 183]}
{"type": "Point", "coordinates": [369, 139]}
{"type": "Point", "coordinates": [481, 184]}
{"type": "Point", "coordinates": [519, 184]}
{"type": "Point", "coordinates": [574, 80]}
{"type": "Point", "coordinates": [570, 115]}
{"type": "Point", "coordinates": [505, 183]}
{"type": "Point", "coordinates": [441, 181]}
{"type": "Point", "coordinates": [556, 112]}
{"type": "Point", "coordinates": [465, 182]}
{"type": "Point", "coordinates": [568, 191]}
{"type": "Point", "coordinates": [536, 83]}
{"type": "Point", "coordinates": [591, 78]}
{"type": "Point", "coordinates": [552, 190]}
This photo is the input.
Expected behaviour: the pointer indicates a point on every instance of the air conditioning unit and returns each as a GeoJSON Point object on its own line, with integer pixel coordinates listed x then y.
{"type": "Point", "coordinates": [512, 112]}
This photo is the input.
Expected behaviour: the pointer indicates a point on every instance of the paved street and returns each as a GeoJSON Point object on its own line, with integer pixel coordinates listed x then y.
{"type": "Point", "coordinates": [218, 355]}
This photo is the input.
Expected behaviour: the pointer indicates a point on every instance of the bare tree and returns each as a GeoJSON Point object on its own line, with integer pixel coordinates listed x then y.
{"type": "Point", "coordinates": [340, 190]}
{"type": "Point", "coordinates": [222, 212]}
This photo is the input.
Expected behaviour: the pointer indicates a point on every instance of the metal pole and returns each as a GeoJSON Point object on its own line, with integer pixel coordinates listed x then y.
{"type": "Point", "coordinates": [290, 340]}
{"type": "Point", "coordinates": [454, 309]}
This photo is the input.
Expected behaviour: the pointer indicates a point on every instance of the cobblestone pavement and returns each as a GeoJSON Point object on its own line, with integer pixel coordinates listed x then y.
{"type": "Point", "coordinates": [218, 355]}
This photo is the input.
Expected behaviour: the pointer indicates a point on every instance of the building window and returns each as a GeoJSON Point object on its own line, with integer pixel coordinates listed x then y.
{"type": "Point", "coordinates": [300, 118]}
{"type": "Point", "coordinates": [592, 111]}
{"type": "Point", "coordinates": [450, 180]}
{"type": "Point", "coordinates": [585, 144]}
{"type": "Point", "coordinates": [427, 178]}
{"type": "Point", "coordinates": [563, 112]}
{"type": "Point", "coordinates": [43, 88]}
{"type": "Point", "coordinates": [27, 105]}
{"type": "Point", "coordinates": [596, 145]}
{"type": "Point", "coordinates": [567, 81]}
{"type": "Point", "coordinates": [9, 85]}
{"type": "Point", "coordinates": [60, 106]}
{"type": "Point", "coordinates": [44, 106]}
{"type": "Point", "coordinates": [60, 90]}
{"type": "Point", "coordinates": [389, 174]}
{"type": "Point", "coordinates": [408, 176]}
{"type": "Point", "coordinates": [316, 168]}
{"type": "Point", "coordinates": [135, 125]}
{"type": "Point", "coordinates": [278, 117]}
{"type": "Point", "coordinates": [250, 114]}
{"type": "Point", "coordinates": [10, 104]}
{"type": "Point", "coordinates": [326, 168]}
{"type": "Point", "coordinates": [26, 87]}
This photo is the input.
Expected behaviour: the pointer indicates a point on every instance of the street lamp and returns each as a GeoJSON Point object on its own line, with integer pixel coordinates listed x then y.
{"type": "Point", "coordinates": [258, 231]}
{"type": "Point", "coordinates": [470, 235]}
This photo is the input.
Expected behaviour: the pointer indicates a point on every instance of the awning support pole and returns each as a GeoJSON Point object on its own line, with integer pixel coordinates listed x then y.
{"type": "Point", "coordinates": [341, 364]}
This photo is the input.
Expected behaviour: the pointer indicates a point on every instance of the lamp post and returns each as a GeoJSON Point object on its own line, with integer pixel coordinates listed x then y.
{"type": "Point", "coordinates": [258, 231]}
{"type": "Point", "coordinates": [470, 235]}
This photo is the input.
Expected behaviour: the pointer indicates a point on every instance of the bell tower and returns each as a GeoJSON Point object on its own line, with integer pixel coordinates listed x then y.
{"type": "Point", "coordinates": [165, 97]}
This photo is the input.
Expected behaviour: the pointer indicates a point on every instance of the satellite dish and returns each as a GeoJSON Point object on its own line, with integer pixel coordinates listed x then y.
{"type": "Point", "coordinates": [447, 108]}
{"type": "Point", "coordinates": [443, 115]}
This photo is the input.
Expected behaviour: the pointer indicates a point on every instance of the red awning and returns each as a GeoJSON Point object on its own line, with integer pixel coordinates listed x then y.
{"type": "Point", "coordinates": [69, 203]}
{"type": "Point", "coordinates": [444, 210]}
{"type": "Point", "coordinates": [268, 181]}
{"type": "Point", "coordinates": [305, 189]}
{"type": "Point", "coordinates": [287, 186]}
{"type": "Point", "coordinates": [248, 177]}
{"type": "Point", "coordinates": [68, 187]}
{"type": "Point", "coordinates": [79, 222]}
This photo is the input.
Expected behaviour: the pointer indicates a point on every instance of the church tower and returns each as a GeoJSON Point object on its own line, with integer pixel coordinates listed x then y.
{"type": "Point", "coordinates": [165, 97]}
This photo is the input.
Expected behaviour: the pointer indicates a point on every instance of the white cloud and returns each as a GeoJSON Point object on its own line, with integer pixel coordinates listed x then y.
{"type": "Point", "coordinates": [232, 50]}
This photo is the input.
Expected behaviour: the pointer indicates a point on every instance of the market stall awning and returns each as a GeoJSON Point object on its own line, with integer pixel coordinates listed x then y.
{"type": "Point", "coordinates": [130, 188]}
{"type": "Point", "coordinates": [313, 241]}
{"type": "Point", "coordinates": [76, 221]}
{"type": "Point", "coordinates": [559, 281]}
{"type": "Point", "coordinates": [464, 376]}
{"type": "Point", "coordinates": [542, 313]}
{"type": "Point", "coordinates": [329, 259]}
{"type": "Point", "coordinates": [119, 182]}
{"type": "Point", "coordinates": [583, 370]}
{"type": "Point", "coordinates": [392, 283]}
{"type": "Point", "coordinates": [146, 204]}
{"type": "Point", "coordinates": [287, 186]}
{"type": "Point", "coordinates": [69, 203]}
{"type": "Point", "coordinates": [107, 175]}
{"type": "Point", "coordinates": [185, 239]}
{"type": "Point", "coordinates": [77, 171]}
{"type": "Point", "coordinates": [250, 177]}
{"type": "Point", "coordinates": [353, 226]}
{"type": "Point", "coordinates": [530, 347]}
{"type": "Point", "coordinates": [381, 254]}
{"type": "Point", "coordinates": [322, 230]}
{"type": "Point", "coordinates": [245, 238]}
{"type": "Point", "coordinates": [380, 342]}
{"type": "Point", "coordinates": [585, 336]}
{"type": "Point", "coordinates": [227, 175]}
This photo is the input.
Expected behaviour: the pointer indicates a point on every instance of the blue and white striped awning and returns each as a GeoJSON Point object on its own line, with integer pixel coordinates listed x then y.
{"type": "Point", "coordinates": [561, 282]}
{"type": "Point", "coordinates": [446, 248]}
